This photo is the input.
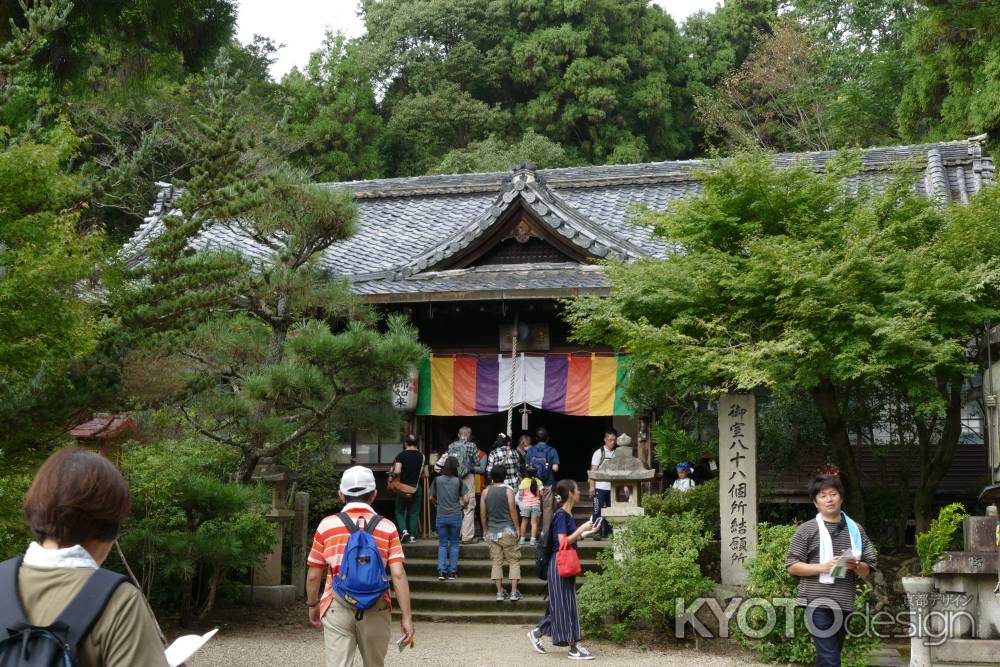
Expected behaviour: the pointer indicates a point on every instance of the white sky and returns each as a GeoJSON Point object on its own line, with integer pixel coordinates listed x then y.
{"type": "Point", "coordinates": [300, 24]}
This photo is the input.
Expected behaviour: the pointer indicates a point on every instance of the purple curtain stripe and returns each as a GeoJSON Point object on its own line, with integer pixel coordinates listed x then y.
{"type": "Point", "coordinates": [487, 384]}
{"type": "Point", "coordinates": [556, 377]}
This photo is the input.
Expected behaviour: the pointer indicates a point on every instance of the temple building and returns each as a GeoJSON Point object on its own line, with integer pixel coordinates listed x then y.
{"type": "Point", "coordinates": [482, 262]}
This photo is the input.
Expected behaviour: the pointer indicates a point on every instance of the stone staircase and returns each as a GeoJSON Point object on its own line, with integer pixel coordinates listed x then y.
{"type": "Point", "coordinates": [472, 597]}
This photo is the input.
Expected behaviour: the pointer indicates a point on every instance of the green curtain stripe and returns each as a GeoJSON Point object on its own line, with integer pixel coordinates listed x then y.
{"type": "Point", "coordinates": [622, 408]}
{"type": "Point", "coordinates": [424, 387]}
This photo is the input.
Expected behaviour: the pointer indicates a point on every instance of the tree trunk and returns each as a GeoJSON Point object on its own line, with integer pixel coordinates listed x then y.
{"type": "Point", "coordinates": [935, 461]}
{"type": "Point", "coordinates": [825, 397]}
{"type": "Point", "coordinates": [248, 461]}
{"type": "Point", "coordinates": [213, 588]}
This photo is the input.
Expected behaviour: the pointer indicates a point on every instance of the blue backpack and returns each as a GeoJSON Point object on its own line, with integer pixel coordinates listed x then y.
{"type": "Point", "coordinates": [361, 581]}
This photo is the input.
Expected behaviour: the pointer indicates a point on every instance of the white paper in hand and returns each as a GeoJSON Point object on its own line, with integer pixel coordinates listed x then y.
{"type": "Point", "coordinates": [840, 567]}
{"type": "Point", "coordinates": [186, 646]}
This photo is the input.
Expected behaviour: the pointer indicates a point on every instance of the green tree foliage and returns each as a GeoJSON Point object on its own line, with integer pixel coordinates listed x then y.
{"type": "Point", "coordinates": [121, 39]}
{"type": "Point", "coordinates": [192, 528]}
{"type": "Point", "coordinates": [277, 348]}
{"type": "Point", "coordinates": [605, 77]}
{"type": "Point", "coordinates": [787, 280]}
{"type": "Point", "coordinates": [702, 500]}
{"type": "Point", "coordinates": [769, 579]}
{"type": "Point", "coordinates": [954, 89]}
{"type": "Point", "coordinates": [719, 41]}
{"type": "Point", "coordinates": [40, 19]}
{"type": "Point", "coordinates": [640, 590]}
{"type": "Point", "coordinates": [939, 536]}
{"type": "Point", "coordinates": [332, 115]}
{"type": "Point", "coordinates": [495, 154]}
{"type": "Point", "coordinates": [46, 324]}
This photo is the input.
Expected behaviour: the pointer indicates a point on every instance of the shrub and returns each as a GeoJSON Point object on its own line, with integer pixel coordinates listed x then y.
{"type": "Point", "coordinates": [191, 531]}
{"type": "Point", "coordinates": [702, 499]}
{"type": "Point", "coordinates": [661, 565]}
{"type": "Point", "coordinates": [769, 578]}
{"type": "Point", "coordinates": [939, 536]}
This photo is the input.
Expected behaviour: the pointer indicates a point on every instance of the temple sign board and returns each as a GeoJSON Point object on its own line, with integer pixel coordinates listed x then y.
{"type": "Point", "coordinates": [737, 485]}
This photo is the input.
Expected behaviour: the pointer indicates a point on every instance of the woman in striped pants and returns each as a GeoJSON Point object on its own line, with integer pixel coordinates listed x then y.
{"type": "Point", "coordinates": [562, 618]}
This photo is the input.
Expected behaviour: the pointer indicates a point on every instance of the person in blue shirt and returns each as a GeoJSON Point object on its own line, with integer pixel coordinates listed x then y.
{"type": "Point", "coordinates": [545, 458]}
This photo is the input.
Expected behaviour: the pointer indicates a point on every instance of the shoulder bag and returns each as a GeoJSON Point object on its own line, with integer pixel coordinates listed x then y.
{"type": "Point", "coordinates": [405, 491]}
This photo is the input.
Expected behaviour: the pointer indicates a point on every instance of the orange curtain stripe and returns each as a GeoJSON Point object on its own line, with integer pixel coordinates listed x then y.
{"type": "Point", "coordinates": [465, 387]}
{"type": "Point", "coordinates": [578, 386]}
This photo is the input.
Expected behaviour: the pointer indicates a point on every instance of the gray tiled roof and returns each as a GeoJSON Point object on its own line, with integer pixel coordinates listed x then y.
{"type": "Point", "coordinates": [499, 281]}
{"type": "Point", "coordinates": [407, 226]}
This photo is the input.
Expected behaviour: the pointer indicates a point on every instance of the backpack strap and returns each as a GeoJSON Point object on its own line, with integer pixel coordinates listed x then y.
{"type": "Point", "coordinates": [11, 610]}
{"type": "Point", "coordinates": [83, 610]}
{"type": "Point", "coordinates": [348, 522]}
{"type": "Point", "coordinates": [370, 524]}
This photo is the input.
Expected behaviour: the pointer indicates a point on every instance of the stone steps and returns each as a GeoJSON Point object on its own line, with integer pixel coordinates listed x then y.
{"type": "Point", "coordinates": [887, 657]}
{"type": "Point", "coordinates": [483, 601]}
{"type": "Point", "coordinates": [474, 568]}
{"type": "Point", "coordinates": [512, 617]}
{"type": "Point", "coordinates": [472, 597]}
{"type": "Point", "coordinates": [529, 584]}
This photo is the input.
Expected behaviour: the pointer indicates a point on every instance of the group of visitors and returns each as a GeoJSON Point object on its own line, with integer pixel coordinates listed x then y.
{"type": "Point", "coordinates": [509, 506]}
{"type": "Point", "coordinates": [58, 604]}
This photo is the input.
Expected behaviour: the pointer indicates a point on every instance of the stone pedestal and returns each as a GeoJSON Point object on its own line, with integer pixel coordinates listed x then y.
{"type": "Point", "coordinates": [266, 587]}
{"type": "Point", "coordinates": [918, 594]}
{"type": "Point", "coordinates": [626, 474]}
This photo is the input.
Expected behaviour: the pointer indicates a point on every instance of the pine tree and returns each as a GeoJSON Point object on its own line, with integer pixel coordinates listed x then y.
{"type": "Point", "coordinates": [274, 348]}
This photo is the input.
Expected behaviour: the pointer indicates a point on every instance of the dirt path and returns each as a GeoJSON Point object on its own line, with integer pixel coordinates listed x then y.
{"type": "Point", "coordinates": [464, 645]}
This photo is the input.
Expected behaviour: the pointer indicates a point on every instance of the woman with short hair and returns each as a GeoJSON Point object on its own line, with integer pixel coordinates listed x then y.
{"type": "Point", "coordinates": [75, 508]}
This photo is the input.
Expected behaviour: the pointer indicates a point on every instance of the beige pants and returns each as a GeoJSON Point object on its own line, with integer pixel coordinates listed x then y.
{"type": "Point", "coordinates": [505, 551]}
{"type": "Point", "coordinates": [343, 635]}
{"type": "Point", "coordinates": [469, 512]}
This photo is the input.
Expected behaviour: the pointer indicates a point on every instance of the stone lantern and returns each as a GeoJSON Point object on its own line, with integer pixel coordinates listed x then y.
{"type": "Point", "coordinates": [626, 474]}
{"type": "Point", "coordinates": [267, 589]}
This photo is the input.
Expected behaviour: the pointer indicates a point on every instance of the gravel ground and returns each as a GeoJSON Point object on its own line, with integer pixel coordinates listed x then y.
{"type": "Point", "coordinates": [286, 642]}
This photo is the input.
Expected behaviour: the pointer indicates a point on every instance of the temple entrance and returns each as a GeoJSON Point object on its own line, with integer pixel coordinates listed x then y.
{"type": "Point", "coordinates": [575, 438]}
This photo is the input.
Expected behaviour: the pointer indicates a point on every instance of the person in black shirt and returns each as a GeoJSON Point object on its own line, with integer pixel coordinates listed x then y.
{"type": "Point", "coordinates": [408, 466]}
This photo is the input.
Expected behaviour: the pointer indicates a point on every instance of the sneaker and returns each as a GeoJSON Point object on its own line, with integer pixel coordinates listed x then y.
{"type": "Point", "coordinates": [535, 637]}
{"type": "Point", "coordinates": [412, 539]}
{"type": "Point", "coordinates": [515, 596]}
{"type": "Point", "coordinates": [579, 653]}
{"type": "Point", "coordinates": [440, 576]}
{"type": "Point", "coordinates": [534, 541]}
{"type": "Point", "coordinates": [405, 537]}
{"type": "Point", "coordinates": [501, 596]}
{"type": "Point", "coordinates": [521, 541]}
{"type": "Point", "coordinates": [452, 576]}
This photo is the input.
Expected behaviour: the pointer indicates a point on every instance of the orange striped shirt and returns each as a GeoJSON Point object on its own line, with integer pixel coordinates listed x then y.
{"type": "Point", "coordinates": [331, 540]}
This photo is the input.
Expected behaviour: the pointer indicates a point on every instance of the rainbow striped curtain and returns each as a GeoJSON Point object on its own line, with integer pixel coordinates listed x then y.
{"type": "Point", "coordinates": [457, 386]}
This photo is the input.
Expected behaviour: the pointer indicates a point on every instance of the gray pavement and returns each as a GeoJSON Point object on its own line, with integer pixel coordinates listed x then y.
{"type": "Point", "coordinates": [446, 644]}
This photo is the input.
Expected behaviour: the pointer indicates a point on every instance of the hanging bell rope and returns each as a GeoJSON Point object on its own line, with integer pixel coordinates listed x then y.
{"type": "Point", "coordinates": [513, 380]}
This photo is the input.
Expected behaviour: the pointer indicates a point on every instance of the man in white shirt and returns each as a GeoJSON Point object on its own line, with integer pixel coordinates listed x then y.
{"type": "Point", "coordinates": [600, 492]}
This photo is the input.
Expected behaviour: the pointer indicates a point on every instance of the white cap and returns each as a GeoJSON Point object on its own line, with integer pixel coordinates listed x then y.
{"type": "Point", "coordinates": [357, 481]}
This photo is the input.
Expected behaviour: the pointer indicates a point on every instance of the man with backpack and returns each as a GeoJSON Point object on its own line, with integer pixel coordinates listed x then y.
{"type": "Point", "coordinates": [466, 453]}
{"type": "Point", "coordinates": [356, 546]}
{"type": "Point", "coordinates": [545, 458]}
